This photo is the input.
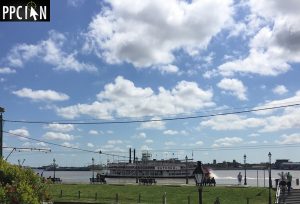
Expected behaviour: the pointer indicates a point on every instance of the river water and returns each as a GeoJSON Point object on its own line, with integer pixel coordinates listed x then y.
{"type": "Point", "coordinates": [223, 177]}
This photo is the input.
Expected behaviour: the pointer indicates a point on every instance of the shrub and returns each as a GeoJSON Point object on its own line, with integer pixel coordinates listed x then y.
{"type": "Point", "coordinates": [20, 186]}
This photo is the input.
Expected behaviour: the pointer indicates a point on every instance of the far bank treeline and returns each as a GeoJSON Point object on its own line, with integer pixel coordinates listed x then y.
{"type": "Point", "coordinates": [21, 186]}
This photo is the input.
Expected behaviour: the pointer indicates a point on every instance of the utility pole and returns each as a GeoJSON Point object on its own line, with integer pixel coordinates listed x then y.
{"type": "Point", "coordinates": [1, 132]}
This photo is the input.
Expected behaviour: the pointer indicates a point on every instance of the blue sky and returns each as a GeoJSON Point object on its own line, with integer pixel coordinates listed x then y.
{"type": "Point", "coordinates": [126, 60]}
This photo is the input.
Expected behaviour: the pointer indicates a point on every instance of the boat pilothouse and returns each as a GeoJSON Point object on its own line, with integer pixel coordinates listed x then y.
{"type": "Point", "coordinates": [148, 167]}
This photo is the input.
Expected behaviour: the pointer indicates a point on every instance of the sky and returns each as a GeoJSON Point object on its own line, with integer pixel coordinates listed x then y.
{"type": "Point", "coordinates": [113, 60]}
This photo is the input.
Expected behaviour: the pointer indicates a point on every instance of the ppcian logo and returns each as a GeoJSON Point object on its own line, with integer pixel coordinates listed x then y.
{"type": "Point", "coordinates": [25, 10]}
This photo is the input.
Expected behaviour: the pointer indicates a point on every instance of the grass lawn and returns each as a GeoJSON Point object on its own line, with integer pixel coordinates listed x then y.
{"type": "Point", "coordinates": [154, 194]}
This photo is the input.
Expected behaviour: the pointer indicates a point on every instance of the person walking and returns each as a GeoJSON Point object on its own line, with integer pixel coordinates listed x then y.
{"type": "Point", "coordinates": [289, 181]}
{"type": "Point", "coordinates": [240, 177]}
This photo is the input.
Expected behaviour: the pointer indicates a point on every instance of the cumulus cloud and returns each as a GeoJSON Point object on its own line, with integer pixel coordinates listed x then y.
{"type": "Point", "coordinates": [289, 139]}
{"type": "Point", "coordinates": [58, 136]}
{"type": "Point", "coordinates": [41, 95]}
{"type": "Point", "coordinates": [114, 142]}
{"type": "Point", "coordinates": [93, 132]}
{"type": "Point", "coordinates": [141, 135]}
{"type": "Point", "coordinates": [145, 148]}
{"type": "Point", "coordinates": [290, 118]}
{"type": "Point", "coordinates": [49, 51]}
{"type": "Point", "coordinates": [276, 44]}
{"type": "Point", "coordinates": [149, 141]}
{"type": "Point", "coordinates": [170, 143]}
{"type": "Point", "coordinates": [286, 118]}
{"type": "Point", "coordinates": [232, 122]}
{"type": "Point", "coordinates": [170, 132]}
{"type": "Point", "coordinates": [7, 70]}
{"type": "Point", "coordinates": [168, 69]}
{"type": "Point", "coordinates": [20, 132]}
{"type": "Point", "coordinates": [60, 127]}
{"type": "Point", "coordinates": [280, 90]}
{"type": "Point", "coordinates": [234, 87]}
{"type": "Point", "coordinates": [227, 141]}
{"type": "Point", "coordinates": [123, 99]}
{"type": "Point", "coordinates": [68, 144]}
{"type": "Point", "coordinates": [90, 145]}
{"type": "Point", "coordinates": [159, 125]}
{"type": "Point", "coordinates": [148, 32]}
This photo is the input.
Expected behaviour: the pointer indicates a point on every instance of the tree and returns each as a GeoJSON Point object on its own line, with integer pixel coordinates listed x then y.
{"type": "Point", "coordinates": [21, 186]}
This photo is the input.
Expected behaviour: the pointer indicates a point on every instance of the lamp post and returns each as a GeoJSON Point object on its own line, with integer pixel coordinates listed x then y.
{"type": "Point", "coordinates": [270, 180]}
{"type": "Point", "coordinates": [245, 180]}
{"type": "Point", "coordinates": [186, 170]}
{"type": "Point", "coordinates": [54, 166]}
{"type": "Point", "coordinates": [198, 172]}
{"type": "Point", "coordinates": [1, 132]}
{"type": "Point", "coordinates": [93, 167]}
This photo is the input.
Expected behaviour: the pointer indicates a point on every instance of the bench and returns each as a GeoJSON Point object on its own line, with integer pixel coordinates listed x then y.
{"type": "Point", "coordinates": [146, 181]}
{"type": "Point", "coordinates": [100, 180]}
{"type": "Point", "coordinates": [56, 180]}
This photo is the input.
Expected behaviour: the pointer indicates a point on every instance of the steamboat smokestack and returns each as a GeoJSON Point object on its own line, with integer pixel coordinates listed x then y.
{"type": "Point", "coordinates": [133, 155]}
{"type": "Point", "coordinates": [129, 155]}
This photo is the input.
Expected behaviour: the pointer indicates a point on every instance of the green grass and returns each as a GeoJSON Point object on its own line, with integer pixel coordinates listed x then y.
{"type": "Point", "coordinates": [153, 194]}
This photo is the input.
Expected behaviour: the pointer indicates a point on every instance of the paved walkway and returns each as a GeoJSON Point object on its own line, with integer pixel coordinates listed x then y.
{"type": "Point", "coordinates": [292, 198]}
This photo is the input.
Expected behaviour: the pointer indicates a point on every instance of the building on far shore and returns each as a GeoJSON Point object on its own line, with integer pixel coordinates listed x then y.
{"type": "Point", "coordinates": [286, 164]}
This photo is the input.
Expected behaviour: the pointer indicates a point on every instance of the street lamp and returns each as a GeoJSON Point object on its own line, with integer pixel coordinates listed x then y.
{"type": "Point", "coordinates": [199, 175]}
{"type": "Point", "coordinates": [93, 160]}
{"type": "Point", "coordinates": [245, 180]}
{"type": "Point", "coordinates": [54, 168]}
{"type": "Point", "coordinates": [186, 170]}
{"type": "Point", "coordinates": [270, 180]}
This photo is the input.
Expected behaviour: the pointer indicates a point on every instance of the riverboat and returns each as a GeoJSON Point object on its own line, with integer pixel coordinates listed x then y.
{"type": "Point", "coordinates": [148, 167]}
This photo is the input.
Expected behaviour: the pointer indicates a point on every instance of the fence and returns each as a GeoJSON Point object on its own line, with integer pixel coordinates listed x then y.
{"type": "Point", "coordinates": [97, 197]}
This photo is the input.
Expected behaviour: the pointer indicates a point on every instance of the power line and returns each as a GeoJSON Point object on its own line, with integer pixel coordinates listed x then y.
{"type": "Point", "coordinates": [64, 146]}
{"type": "Point", "coordinates": [166, 150]}
{"type": "Point", "coordinates": [156, 120]}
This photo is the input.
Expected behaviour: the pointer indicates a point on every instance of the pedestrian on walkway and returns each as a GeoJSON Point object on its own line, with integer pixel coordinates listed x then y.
{"type": "Point", "coordinates": [289, 181]}
{"type": "Point", "coordinates": [240, 177]}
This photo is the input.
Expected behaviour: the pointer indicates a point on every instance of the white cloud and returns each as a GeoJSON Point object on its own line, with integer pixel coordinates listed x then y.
{"type": "Point", "coordinates": [75, 3]}
{"type": "Point", "coordinates": [170, 143]}
{"type": "Point", "coordinates": [114, 142]}
{"type": "Point", "coordinates": [41, 95]}
{"type": "Point", "coordinates": [93, 132]}
{"type": "Point", "coordinates": [159, 125]}
{"type": "Point", "coordinates": [232, 122]}
{"type": "Point", "coordinates": [234, 87]}
{"type": "Point", "coordinates": [29, 144]}
{"type": "Point", "coordinates": [280, 90]}
{"type": "Point", "coordinates": [49, 51]}
{"type": "Point", "coordinates": [168, 69]}
{"type": "Point", "coordinates": [160, 28]}
{"type": "Point", "coordinates": [199, 142]}
{"type": "Point", "coordinates": [68, 144]}
{"type": "Point", "coordinates": [123, 99]}
{"type": "Point", "coordinates": [149, 141]}
{"type": "Point", "coordinates": [145, 147]}
{"type": "Point", "coordinates": [289, 139]}
{"type": "Point", "coordinates": [20, 132]}
{"type": "Point", "coordinates": [90, 145]}
{"type": "Point", "coordinates": [286, 118]}
{"type": "Point", "coordinates": [141, 135]}
{"type": "Point", "coordinates": [58, 136]}
{"type": "Point", "coordinates": [286, 101]}
{"type": "Point", "coordinates": [60, 127]}
{"type": "Point", "coordinates": [170, 132]}
{"type": "Point", "coordinates": [290, 118]}
{"type": "Point", "coordinates": [227, 141]}
{"type": "Point", "coordinates": [7, 70]}
{"type": "Point", "coordinates": [276, 44]}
